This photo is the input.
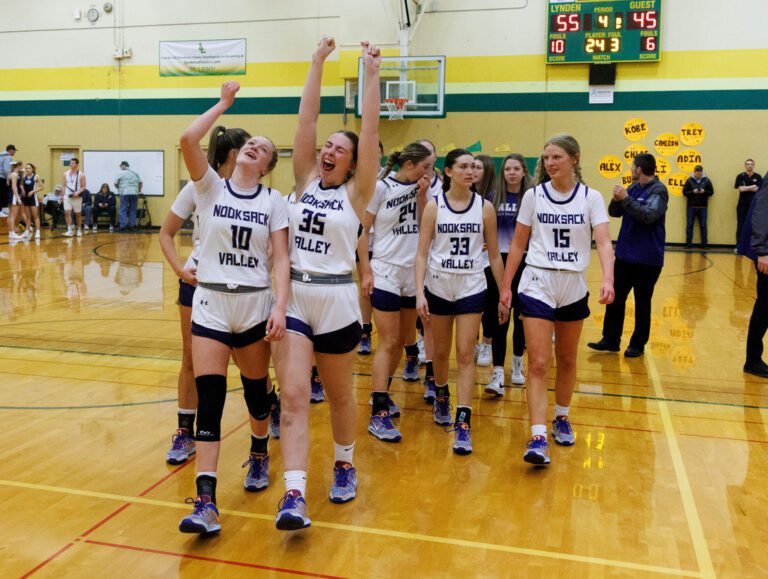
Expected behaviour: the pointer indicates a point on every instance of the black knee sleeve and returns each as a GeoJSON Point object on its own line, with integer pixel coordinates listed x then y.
{"type": "Point", "coordinates": [256, 397]}
{"type": "Point", "coordinates": [211, 394]}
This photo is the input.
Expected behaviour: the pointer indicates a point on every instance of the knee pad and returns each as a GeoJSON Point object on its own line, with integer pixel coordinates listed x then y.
{"type": "Point", "coordinates": [211, 394]}
{"type": "Point", "coordinates": [256, 397]}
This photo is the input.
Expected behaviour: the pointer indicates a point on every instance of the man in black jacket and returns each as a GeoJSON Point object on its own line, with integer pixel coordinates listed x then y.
{"type": "Point", "coordinates": [697, 190]}
{"type": "Point", "coordinates": [104, 202]}
{"type": "Point", "coordinates": [747, 183]}
{"type": "Point", "coordinates": [758, 323]}
{"type": "Point", "coordinates": [639, 255]}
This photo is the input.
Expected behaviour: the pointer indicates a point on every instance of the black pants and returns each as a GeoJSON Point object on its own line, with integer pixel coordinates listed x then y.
{"type": "Point", "coordinates": [96, 211]}
{"type": "Point", "coordinates": [758, 323]}
{"type": "Point", "coordinates": [492, 329]}
{"type": "Point", "coordinates": [5, 193]}
{"type": "Point", "coordinates": [55, 210]}
{"type": "Point", "coordinates": [742, 208]}
{"type": "Point", "coordinates": [642, 279]}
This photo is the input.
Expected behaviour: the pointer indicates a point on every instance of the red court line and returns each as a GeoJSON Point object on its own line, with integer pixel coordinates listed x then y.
{"type": "Point", "coordinates": [48, 560]}
{"type": "Point", "coordinates": [105, 519]}
{"type": "Point", "coordinates": [210, 559]}
{"type": "Point", "coordinates": [126, 505]}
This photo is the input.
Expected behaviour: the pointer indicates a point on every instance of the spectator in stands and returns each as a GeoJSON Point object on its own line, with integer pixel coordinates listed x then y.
{"type": "Point", "coordinates": [104, 202]}
{"type": "Point", "coordinates": [53, 205]}
{"type": "Point", "coordinates": [697, 190]}
{"type": "Point", "coordinates": [87, 206]}
{"type": "Point", "coordinates": [5, 173]}
{"type": "Point", "coordinates": [128, 185]}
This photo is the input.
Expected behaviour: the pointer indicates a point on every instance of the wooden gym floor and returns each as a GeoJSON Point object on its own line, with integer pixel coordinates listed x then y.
{"type": "Point", "coordinates": [667, 476]}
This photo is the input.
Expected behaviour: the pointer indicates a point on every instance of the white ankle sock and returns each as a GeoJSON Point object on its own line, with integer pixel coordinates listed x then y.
{"type": "Point", "coordinates": [295, 480]}
{"type": "Point", "coordinates": [539, 430]}
{"type": "Point", "coordinates": [343, 452]}
{"type": "Point", "coordinates": [561, 410]}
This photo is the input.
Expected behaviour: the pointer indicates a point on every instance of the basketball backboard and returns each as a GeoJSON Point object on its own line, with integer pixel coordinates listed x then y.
{"type": "Point", "coordinates": [418, 79]}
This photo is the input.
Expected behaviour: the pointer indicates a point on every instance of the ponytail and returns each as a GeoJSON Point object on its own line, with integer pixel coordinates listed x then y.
{"type": "Point", "coordinates": [222, 141]}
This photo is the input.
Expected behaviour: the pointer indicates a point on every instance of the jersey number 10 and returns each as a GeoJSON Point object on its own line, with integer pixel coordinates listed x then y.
{"type": "Point", "coordinates": [241, 237]}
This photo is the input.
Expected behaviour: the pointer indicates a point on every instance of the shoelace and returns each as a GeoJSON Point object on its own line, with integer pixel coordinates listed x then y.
{"type": "Point", "coordinates": [177, 441]}
{"type": "Point", "coordinates": [198, 507]}
{"type": "Point", "coordinates": [287, 502]}
{"type": "Point", "coordinates": [255, 468]}
{"type": "Point", "coordinates": [443, 405]}
{"type": "Point", "coordinates": [537, 442]}
{"type": "Point", "coordinates": [564, 425]}
{"type": "Point", "coordinates": [462, 428]}
{"type": "Point", "coordinates": [386, 420]}
{"type": "Point", "coordinates": [341, 475]}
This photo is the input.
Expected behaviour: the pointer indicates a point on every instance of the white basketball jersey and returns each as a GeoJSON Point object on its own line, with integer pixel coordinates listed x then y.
{"type": "Point", "coordinates": [184, 208]}
{"type": "Point", "coordinates": [561, 225]}
{"type": "Point", "coordinates": [323, 230]}
{"type": "Point", "coordinates": [235, 226]}
{"type": "Point", "coordinates": [458, 243]}
{"type": "Point", "coordinates": [435, 187]}
{"type": "Point", "coordinates": [396, 230]}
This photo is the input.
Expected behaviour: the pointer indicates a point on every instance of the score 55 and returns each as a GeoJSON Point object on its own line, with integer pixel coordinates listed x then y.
{"type": "Point", "coordinates": [566, 23]}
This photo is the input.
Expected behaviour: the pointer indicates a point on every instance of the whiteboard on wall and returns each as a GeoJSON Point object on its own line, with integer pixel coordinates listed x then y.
{"type": "Point", "coordinates": [103, 166]}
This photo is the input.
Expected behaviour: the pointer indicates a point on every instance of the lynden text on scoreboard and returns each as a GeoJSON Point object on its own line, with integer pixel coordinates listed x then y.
{"type": "Point", "coordinates": [603, 31]}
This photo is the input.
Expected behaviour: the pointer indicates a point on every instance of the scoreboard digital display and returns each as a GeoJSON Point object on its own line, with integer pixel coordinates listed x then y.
{"type": "Point", "coordinates": [603, 31]}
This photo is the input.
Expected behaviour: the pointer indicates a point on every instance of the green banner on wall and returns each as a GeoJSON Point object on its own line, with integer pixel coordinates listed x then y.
{"type": "Point", "coordinates": [202, 57]}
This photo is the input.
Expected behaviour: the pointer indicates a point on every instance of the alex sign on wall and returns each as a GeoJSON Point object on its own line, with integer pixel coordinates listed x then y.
{"type": "Point", "coordinates": [202, 57]}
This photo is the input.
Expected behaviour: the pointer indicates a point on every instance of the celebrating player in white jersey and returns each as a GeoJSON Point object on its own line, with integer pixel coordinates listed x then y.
{"type": "Point", "coordinates": [559, 219]}
{"type": "Point", "coordinates": [323, 312]}
{"type": "Point", "coordinates": [223, 147]}
{"type": "Point", "coordinates": [453, 230]}
{"type": "Point", "coordinates": [233, 307]}
{"type": "Point", "coordinates": [394, 213]}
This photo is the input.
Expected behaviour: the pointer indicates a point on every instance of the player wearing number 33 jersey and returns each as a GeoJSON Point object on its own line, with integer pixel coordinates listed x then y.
{"type": "Point", "coordinates": [559, 248]}
{"type": "Point", "coordinates": [456, 258]}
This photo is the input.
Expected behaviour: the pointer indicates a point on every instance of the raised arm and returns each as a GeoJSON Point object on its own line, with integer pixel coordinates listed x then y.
{"type": "Point", "coordinates": [367, 168]}
{"type": "Point", "coordinates": [305, 140]}
{"type": "Point", "coordinates": [194, 158]}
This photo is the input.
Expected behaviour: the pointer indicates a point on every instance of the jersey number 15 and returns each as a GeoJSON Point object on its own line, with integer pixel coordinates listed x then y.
{"type": "Point", "coordinates": [562, 237]}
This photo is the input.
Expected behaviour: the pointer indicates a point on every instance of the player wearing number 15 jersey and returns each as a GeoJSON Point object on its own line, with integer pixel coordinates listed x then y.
{"type": "Point", "coordinates": [453, 230]}
{"type": "Point", "coordinates": [559, 218]}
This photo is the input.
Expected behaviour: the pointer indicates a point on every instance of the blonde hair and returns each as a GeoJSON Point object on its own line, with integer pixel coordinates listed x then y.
{"type": "Point", "coordinates": [571, 146]}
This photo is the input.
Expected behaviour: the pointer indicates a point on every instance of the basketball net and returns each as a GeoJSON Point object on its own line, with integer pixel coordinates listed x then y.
{"type": "Point", "coordinates": [396, 108]}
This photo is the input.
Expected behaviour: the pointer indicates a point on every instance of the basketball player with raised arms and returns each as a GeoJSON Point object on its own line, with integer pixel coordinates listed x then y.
{"type": "Point", "coordinates": [395, 212]}
{"type": "Point", "coordinates": [223, 146]}
{"type": "Point", "coordinates": [333, 190]}
{"type": "Point", "coordinates": [559, 219]}
{"type": "Point", "coordinates": [234, 309]}
{"type": "Point", "coordinates": [451, 286]}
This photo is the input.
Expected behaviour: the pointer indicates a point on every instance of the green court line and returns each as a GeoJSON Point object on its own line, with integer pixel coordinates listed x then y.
{"type": "Point", "coordinates": [708, 100]}
{"type": "Point", "coordinates": [361, 374]}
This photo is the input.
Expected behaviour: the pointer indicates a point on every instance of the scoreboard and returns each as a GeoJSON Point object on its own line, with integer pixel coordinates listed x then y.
{"type": "Point", "coordinates": [603, 31]}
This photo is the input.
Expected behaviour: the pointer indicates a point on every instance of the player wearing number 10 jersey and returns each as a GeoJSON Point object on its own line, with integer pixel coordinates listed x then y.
{"type": "Point", "coordinates": [232, 311]}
